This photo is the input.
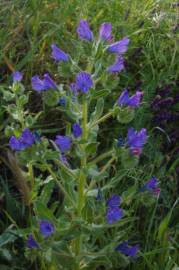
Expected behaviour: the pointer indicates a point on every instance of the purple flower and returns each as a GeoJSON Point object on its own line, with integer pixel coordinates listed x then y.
{"type": "Point", "coordinates": [117, 66]}
{"type": "Point", "coordinates": [114, 201]}
{"type": "Point", "coordinates": [42, 85]}
{"type": "Point", "coordinates": [25, 140]}
{"type": "Point", "coordinates": [58, 54]}
{"type": "Point", "coordinates": [77, 130]}
{"type": "Point", "coordinates": [127, 250]}
{"type": "Point", "coordinates": [119, 47]}
{"type": "Point", "coordinates": [49, 83]}
{"type": "Point", "coordinates": [114, 214]}
{"type": "Point", "coordinates": [152, 183]}
{"type": "Point", "coordinates": [136, 140]}
{"type": "Point", "coordinates": [73, 88]}
{"type": "Point", "coordinates": [46, 228]}
{"type": "Point", "coordinates": [152, 186]}
{"type": "Point", "coordinates": [105, 31]}
{"type": "Point", "coordinates": [133, 101]}
{"type": "Point", "coordinates": [63, 142]}
{"type": "Point", "coordinates": [84, 31]}
{"type": "Point", "coordinates": [84, 82]}
{"type": "Point", "coordinates": [17, 76]}
{"type": "Point", "coordinates": [31, 243]}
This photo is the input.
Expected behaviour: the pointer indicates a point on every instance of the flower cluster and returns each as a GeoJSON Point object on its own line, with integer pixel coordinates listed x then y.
{"type": "Point", "coordinates": [24, 141]}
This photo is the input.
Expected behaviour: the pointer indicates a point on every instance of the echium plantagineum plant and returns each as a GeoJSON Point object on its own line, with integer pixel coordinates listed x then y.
{"type": "Point", "coordinates": [89, 229]}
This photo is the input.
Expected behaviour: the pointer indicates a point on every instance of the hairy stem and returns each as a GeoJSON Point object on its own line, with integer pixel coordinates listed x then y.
{"type": "Point", "coordinates": [82, 178]}
{"type": "Point", "coordinates": [102, 119]}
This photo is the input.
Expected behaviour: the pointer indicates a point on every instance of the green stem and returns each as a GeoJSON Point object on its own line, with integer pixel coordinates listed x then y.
{"type": "Point", "coordinates": [102, 119]}
{"type": "Point", "coordinates": [82, 178]}
{"type": "Point", "coordinates": [108, 164]}
{"type": "Point", "coordinates": [101, 157]}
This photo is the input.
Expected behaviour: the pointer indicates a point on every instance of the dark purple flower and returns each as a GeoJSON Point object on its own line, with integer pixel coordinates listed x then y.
{"type": "Point", "coordinates": [127, 250]}
{"type": "Point", "coordinates": [136, 140]}
{"type": "Point", "coordinates": [58, 54]}
{"type": "Point", "coordinates": [62, 101]}
{"type": "Point", "coordinates": [31, 243]}
{"type": "Point", "coordinates": [46, 228]}
{"type": "Point", "coordinates": [105, 31]}
{"type": "Point", "coordinates": [152, 186]}
{"type": "Point", "coordinates": [77, 130]}
{"type": "Point", "coordinates": [63, 142]}
{"type": "Point", "coordinates": [113, 214]}
{"type": "Point", "coordinates": [17, 76]}
{"type": "Point", "coordinates": [84, 82]}
{"type": "Point", "coordinates": [119, 47]}
{"type": "Point", "coordinates": [84, 31]}
{"type": "Point", "coordinates": [133, 101]}
{"type": "Point", "coordinates": [42, 85]}
{"type": "Point", "coordinates": [25, 140]}
{"type": "Point", "coordinates": [114, 201]}
{"type": "Point", "coordinates": [117, 66]}
{"type": "Point", "coordinates": [152, 183]}
{"type": "Point", "coordinates": [120, 141]}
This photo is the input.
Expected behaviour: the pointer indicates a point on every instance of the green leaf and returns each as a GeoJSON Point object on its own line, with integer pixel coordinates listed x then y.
{"type": "Point", "coordinates": [51, 97]}
{"type": "Point", "coordinates": [125, 115]}
{"type": "Point", "coordinates": [43, 212]}
{"type": "Point", "coordinates": [98, 110]}
{"type": "Point", "coordinates": [6, 238]}
{"type": "Point", "coordinates": [128, 161]}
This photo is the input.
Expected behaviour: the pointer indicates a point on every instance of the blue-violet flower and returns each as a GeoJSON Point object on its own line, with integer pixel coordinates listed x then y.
{"type": "Point", "coordinates": [63, 142]}
{"type": "Point", "coordinates": [25, 140]}
{"type": "Point", "coordinates": [31, 243]}
{"type": "Point", "coordinates": [17, 76]}
{"type": "Point", "coordinates": [58, 54]}
{"type": "Point", "coordinates": [119, 47]}
{"type": "Point", "coordinates": [84, 82]}
{"type": "Point", "coordinates": [42, 85]}
{"type": "Point", "coordinates": [127, 250]}
{"type": "Point", "coordinates": [46, 228]}
{"type": "Point", "coordinates": [133, 101]}
{"type": "Point", "coordinates": [77, 130]}
{"type": "Point", "coordinates": [105, 31]}
{"type": "Point", "coordinates": [117, 66]}
{"type": "Point", "coordinates": [84, 31]}
{"type": "Point", "coordinates": [136, 140]}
